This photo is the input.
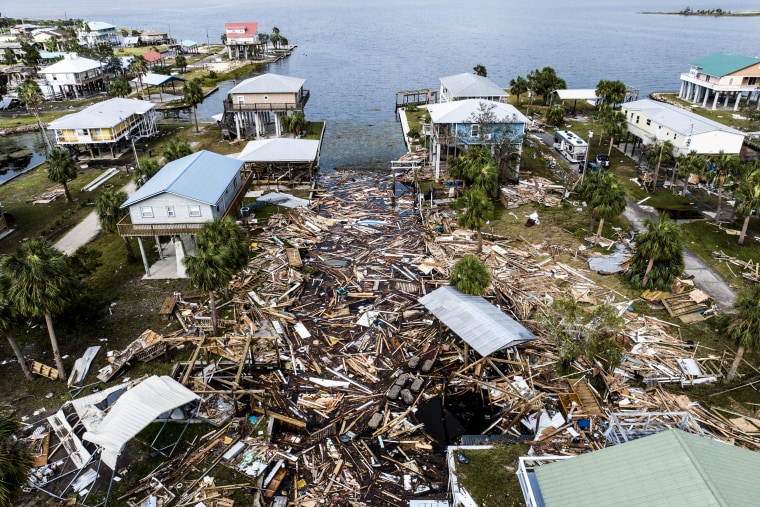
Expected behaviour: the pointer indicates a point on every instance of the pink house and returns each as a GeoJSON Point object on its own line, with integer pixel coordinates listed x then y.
{"type": "Point", "coordinates": [243, 40]}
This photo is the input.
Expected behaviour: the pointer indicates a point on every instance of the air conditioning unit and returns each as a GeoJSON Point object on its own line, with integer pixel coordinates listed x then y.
{"type": "Point", "coordinates": [487, 137]}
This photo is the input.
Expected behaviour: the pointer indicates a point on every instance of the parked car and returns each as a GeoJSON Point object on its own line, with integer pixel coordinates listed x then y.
{"type": "Point", "coordinates": [603, 160]}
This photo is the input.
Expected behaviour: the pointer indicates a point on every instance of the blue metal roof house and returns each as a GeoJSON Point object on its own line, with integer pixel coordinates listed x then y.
{"type": "Point", "coordinates": [182, 196]}
{"type": "Point", "coordinates": [192, 189]}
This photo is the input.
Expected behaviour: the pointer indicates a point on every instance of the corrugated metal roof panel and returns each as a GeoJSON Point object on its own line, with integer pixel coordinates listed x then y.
{"type": "Point", "coordinates": [269, 83]}
{"type": "Point", "coordinates": [471, 85]}
{"type": "Point", "coordinates": [476, 321]}
{"type": "Point", "coordinates": [677, 119]}
{"type": "Point", "coordinates": [202, 177]}
{"type": "Point", "coordinates": [723, 64]}
{"type": "Point", "coordinates": [106, 114]}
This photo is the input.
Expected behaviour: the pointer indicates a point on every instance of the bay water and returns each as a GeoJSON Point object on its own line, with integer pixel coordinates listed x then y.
{"type": "Point", "coordinates": [355, 54]}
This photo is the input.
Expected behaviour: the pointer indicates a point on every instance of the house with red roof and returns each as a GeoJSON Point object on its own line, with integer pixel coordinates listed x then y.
{"type": "Point", "coordinates": [243, 41]}
{"type": "Point", "coordinates": [152, 57]}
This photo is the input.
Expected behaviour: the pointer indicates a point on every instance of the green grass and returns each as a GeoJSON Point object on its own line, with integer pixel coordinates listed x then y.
{"type": "Point", "coordinates": [490, 476]}
{"type": "Point", "coordinates": [704, 237]}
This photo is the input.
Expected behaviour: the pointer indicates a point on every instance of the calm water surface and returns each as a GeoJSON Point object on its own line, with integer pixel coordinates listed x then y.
{"type": "Point", "coordinates": [355, 55]}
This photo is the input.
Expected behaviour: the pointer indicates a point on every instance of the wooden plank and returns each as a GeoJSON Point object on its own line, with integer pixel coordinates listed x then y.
{"type": "Point", "coordinates": [44, 370]}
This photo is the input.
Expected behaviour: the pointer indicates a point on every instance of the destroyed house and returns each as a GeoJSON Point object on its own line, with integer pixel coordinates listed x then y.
{"type": "Point", "coordinates": [669, 468]}
{"type": "Point", "coordinates": [477, 322]}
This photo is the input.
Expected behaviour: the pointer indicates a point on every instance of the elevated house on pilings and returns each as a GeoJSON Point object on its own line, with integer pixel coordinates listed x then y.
{"type": "Point", "coordinates": [181, 197]}
{"type": "Point", "coordinates": [722, 78]}
{"type": "Point", "coordinates": [107, 128]}
{"type": "Point", "coordinates": [258, 103]}
{"type": "Point", "coordinates": [243, 41]}
{"type": "Point", "coordinates": [470, 86]}
{"type": "Point", "coordinates": [458, 125]}
{"type": "Point", "coordinates": [74, 77]}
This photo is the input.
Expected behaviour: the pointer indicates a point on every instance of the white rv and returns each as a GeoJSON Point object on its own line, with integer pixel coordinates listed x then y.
{"type": "Point", "coordinates": [570, 145]}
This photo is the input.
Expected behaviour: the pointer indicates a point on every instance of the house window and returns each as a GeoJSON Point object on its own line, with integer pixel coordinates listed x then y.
{"type": "Point", "coordinates": [146, 211]}
{"type": "Point", "coordinates": [170, 212]}
{"type": "Point", "coordinates": [637, 118]}
{"type": "Point", "coordinates": [266, 97]}
{"type": "Point", "coordinates": [649, 122]}
{"type": "Point", "coordinates": [475, 130]}
{"type": "Point", "coordinates": [675, 136]}
{"type": "Point", "coordinates": [241, 100]}
{"type": "Point", "coordinates": [194, 211]}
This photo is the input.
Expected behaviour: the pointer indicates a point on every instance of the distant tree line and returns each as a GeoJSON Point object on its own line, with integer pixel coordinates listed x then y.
{"type": "Point", "coordinates": [704, 12]}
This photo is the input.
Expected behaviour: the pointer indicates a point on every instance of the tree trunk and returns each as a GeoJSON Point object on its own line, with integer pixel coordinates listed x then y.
{"type": "Point", "coordinates": [130, 252]}
{"type": "Point", "coordinates": [591, 224]}
{"type": "Point", "coordinates": [657, 170]}
{"type": "Point", "coordinates": [744, 230]}
{"type": "Point", "coordinates": [599, 231]}
{"type": "Point", "coordinates": [212, 306]}
{"type": "Point", "coordinates": [195, 115]}
{"type": "Point", "coordinates": [19, 356]}
{"type": "Point", "coordinates": [480, 241]}
{"type": "Point", "coordinates": [67, 192]}
{"type": "Point", "coordinates": [609, 151]}
{"type": "Point", "coordinates": [54, 345]}
{"type": "Point", "coordinates": [48, 147]}
{"type": "Point", "coordinates": [735, 365]}
{"type": "Point", "coordinates": [720, 198]}
{"type": "Point", "coordinates": [645, 280]}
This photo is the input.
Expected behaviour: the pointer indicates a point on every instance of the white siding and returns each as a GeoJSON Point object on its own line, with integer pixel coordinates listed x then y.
{"type": "Point", "coordinates": [181, 205]}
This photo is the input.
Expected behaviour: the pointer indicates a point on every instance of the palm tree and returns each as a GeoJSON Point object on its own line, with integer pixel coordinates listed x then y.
{"type": "Point", "coordinates": [476, 211]}
{"type": "Point", "coordinates": [145, 171]}
{"type": "Point", "coordinates": [138, 66]}
{"type": "Point", "coordinates": [181, 63]}
{"type": "Point", "coordinates": [30, 94]}
{"type": "Point", "coordinates": [517, 87]}
{"type": "Point", "coordinates": [40, 286]}
{"type": "Point", "coordinates": [744, 326]}
{"type": "Point", "coordinates": [556, 115]}
{"type": "Point", "coordinates": [608, 199]}
{"type": "Point", "coordinates": [176, 149]}
{"type": "Point", "coordinates": [661, 150]}
{"type": "Point", "coordinates": [15, 459]}
{"type": "Point", "coordinates": [748, 200]}
{"type": "Point", "coordinates": [725, 165]}
{"type": "Point", "coordinates": [119, 87]}
{"type": "Point", "coordinates": [61, 169]}
{"type": "Point", "coordinates": [295, 123]}
{"type": "Point", "coordinates": [229, 233]}
{"type": "Point", "coordinates": [691, 163]}
{"type": "Point", "coordinates": [613, 123]}
{"type": "Point", "coordinates": [470, 275]}
{"type": "Point", "coordinates": [660, 249]}
{"type": "Point", "coordinates": [209, 270]}
{"type": "Point", "coordinates": [193, 95]}
{"type": "Point", "coordinates": [108, 207]}
{"type": "Point", "coordinates": [480, 70]}
{"type": "Point", "coordinates": [8, 318]}
{"type": "Point", "coordinates": [611, 92]}
{"type": "Point", "coordinates": [467, 166]}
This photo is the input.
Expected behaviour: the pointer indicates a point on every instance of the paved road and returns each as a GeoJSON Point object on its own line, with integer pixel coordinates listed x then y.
{"type": "Point", "coordinates": [86, 230]}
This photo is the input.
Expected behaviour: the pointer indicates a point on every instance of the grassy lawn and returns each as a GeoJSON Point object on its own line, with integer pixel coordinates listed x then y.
{"type": "Point", "coordinates": [490, 476]}
{"type": "Point", "coordinates": [704, 238]}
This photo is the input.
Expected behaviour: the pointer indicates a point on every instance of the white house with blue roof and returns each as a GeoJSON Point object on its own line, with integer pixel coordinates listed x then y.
{"type": "Point", "coordinates": [183, 195]}
{"type": "Point", "coordinates": [460, 124]}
